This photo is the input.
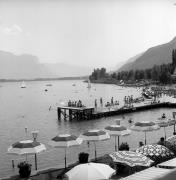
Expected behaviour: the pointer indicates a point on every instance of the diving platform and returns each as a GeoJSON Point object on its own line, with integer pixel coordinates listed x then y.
{"type": "Point", "coordinates": [74, 113]}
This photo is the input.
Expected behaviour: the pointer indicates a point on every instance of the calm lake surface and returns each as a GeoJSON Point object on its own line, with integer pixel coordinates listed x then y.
{"type": "Point", "coordinates": [29, 107]}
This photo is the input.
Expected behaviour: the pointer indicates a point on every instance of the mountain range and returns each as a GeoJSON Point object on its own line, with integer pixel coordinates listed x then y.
{"type": "Point", "coordinates": [161, 54]}
{"type": "Point", "coordinates": [27, 66]}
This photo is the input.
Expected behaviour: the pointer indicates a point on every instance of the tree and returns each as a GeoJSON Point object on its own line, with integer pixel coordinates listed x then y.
{"type": "Point", "coordinates": [119, 76]}
{"type": "Point", "coordinates": [114, 75]}
{"type": "Point", "coordinates": [137, 75]}
{"type": "Point", "coordinates": [155, 73]}
{"type": "Point", "coordinates": [174, 57]}
{"type": "Point", "coordinates": [98, 73]}
{"type": "Point", "coordinates": [130, 75]}
{"type": "Point", "coordinates": [102, 73]}
{"type": "Point", "coordinates": [147, 74]}
{"type": "Point", "coordinates": [165, 77]}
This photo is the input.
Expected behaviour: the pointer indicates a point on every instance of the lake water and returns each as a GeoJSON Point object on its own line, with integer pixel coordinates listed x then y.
{"type": "Point", "coordinates": [29, 107]}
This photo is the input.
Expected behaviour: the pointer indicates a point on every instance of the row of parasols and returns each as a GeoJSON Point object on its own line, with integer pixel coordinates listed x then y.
{"type": "Point", "coordinates": [66, 140]}
{"type": "Point", "coordinates": [99, 171]}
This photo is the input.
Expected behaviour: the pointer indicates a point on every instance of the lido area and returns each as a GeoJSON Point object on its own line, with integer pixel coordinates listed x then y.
{"type": "Point", "coordinates": [126, 137]}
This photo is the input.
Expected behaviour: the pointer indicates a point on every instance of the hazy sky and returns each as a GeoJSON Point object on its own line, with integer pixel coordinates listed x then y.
{"type": "Point", "coordinates": [85, 32]}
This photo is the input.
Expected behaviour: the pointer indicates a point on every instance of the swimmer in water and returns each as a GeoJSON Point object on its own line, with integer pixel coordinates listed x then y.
{"type": "Point", "coordinates": [163, 116]}
{"type": "Point", "coordinates": [130, 120]}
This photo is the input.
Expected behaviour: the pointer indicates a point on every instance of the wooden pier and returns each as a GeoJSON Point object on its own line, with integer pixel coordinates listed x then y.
{"type": "Point", "coordinates": [75, 113]}
{"type": "Point", "coordinates": [123, 111]}
{"type": "Point", "coordinates": [88, 113]}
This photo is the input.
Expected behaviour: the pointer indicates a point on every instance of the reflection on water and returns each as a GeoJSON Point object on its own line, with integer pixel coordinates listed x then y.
{"type": "Point", "coordinates": [35, 109]}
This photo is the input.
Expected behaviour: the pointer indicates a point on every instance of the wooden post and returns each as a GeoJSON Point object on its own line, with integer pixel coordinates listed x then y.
{"type": "Point", "coordinates": [95, 152]}
{"type": "Point", "coordinates": [76, 115]}
{"type": "Point", "coordinates": [174, 133]}
{"type": "Point", "coordinates": [70, 115]}
{"type": "Point", "coordinates": [73, 115]}
{"type": "Point", "coordinates": [80, 115]}
{"type": "Point", "coordinates": [84, 115]}
{"type": "Point", "coordinates": [35, 161]}
{"type": "Point", "coordinates": [118, 143]}
{"type": "Point", "coordinates": [59, 114]}
{"type": "Point", "coordinates": [13, 164]}
{"type": "Point", "coordinates": [145, 138]}
{"type": "Point", "coordinates": [65, 158]}
{"type": "Point", "coordinates": [88, 116]}
{"type": "Point", "coordinates": [174, 114]}
{"type": "Point", "coordinates": [65, 114]}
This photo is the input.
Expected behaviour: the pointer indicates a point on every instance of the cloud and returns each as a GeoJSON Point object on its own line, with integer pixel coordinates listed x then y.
{"type": "Point", "coordinates": [0, 19]}
{"type": "Point", "coordinates": [12, 30]}
{"type": "Point", "coordinates": [28, 34]}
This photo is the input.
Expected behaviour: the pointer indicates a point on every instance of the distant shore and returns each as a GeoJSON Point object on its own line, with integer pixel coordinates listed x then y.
{"type": "Point", "coordinates": [126, 84]}
{"type": "Point", "coordinates": [113, 81]}
{"type": "Point", "coordinates": [105, 81]}
{"type": "Point", "coordinates": [44, 79]}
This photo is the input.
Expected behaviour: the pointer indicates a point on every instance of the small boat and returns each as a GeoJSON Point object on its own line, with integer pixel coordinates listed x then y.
{"type": "Point", "coordinates": [130, 120]}
{"type": "Point", "coordinates": [48, 84]}
{"type": "Point", "coordinates": [147, 96]}
{"type": "Point", "coordinates": [23, 85]}
{"type": "Point", "coordinates": [73, 84]}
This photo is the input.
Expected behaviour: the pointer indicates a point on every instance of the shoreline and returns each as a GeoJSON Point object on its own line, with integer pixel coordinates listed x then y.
{"type": "Point", "coordinates": [135, 84]}
{"type": "Point", "coordinates": [44, 79]}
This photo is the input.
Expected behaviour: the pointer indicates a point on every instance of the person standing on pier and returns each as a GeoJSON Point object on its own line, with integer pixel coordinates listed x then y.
{"type": "Point", "coordinates": [112, 101]}
{"type": "Point", "coordinates": [128, 101]}
{"type": "Point", "coordinates": [95, 103]}
{"type": "Point", "coordinates": [131, 99]}
{"type": "Point", "coordinates": [69, 103]}
{"type": "Point", "coordinates": [125, 101]}
{"type": "Point", "coordinates": [101, 101]}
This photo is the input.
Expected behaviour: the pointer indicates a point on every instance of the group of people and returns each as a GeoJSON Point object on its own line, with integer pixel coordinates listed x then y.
{"type": "Point", "coordinates": [159, 91]}
{"type": "Point", "coordinates": [107, 104]}
{"type": "Point", "coordinates": [116, 103]}
{"type": "Point", "coordinates": [160, 142]}
{"type": "Point", "coordinates": [101, 102]}
{"type": "Point", "coordinates": [75, 103]}
{"type": "Point", "coordinates": [128, 101]}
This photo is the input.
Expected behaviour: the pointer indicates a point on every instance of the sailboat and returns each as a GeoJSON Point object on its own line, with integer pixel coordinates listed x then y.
{"type": "Point", "coordinates": [89, 84]}
{"type": "Point", "coordinates": [23, 85]}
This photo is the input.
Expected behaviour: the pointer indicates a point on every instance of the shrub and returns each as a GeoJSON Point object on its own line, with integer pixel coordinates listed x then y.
{"type": "Point", "coordinates": [83, 157]}
{"type": "Point", "coordinates": [24, 169]}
